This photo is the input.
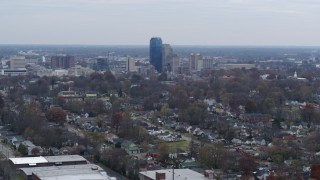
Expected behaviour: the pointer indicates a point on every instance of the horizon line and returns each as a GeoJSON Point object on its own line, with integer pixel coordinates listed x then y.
{"type": "Point", "coordinates": [190, 45]}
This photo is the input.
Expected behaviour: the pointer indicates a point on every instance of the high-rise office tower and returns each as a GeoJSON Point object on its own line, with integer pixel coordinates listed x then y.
{"type": "Point", "coordinates": [175, 63]}
{"type": "Point", "coordinates": [167, 54]}
{"type": "Point", "coordinates": [208, 62]}
{"type": "Point", "coordinates": [102, 64]}
{"type": "Point", "coordinates": [131, 65]}
{"type": "Point", "coordinates": [62, 62]}
{"type": "Point", "coordinates": [170, 60]}
{"type": "Point", "coordinates": [155, 53]}
{"type": "Point", "coordinates": [196, 62]}
{"type": "Point", "coordinates": [17, 62]}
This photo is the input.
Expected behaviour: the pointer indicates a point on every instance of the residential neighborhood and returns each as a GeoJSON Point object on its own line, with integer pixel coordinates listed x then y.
{"type": "Point", "coordinates": [258, 122]}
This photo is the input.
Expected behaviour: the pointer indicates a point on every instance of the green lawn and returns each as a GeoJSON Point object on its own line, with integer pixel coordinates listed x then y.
{"type": "Point", "coordinates": [173, 146]}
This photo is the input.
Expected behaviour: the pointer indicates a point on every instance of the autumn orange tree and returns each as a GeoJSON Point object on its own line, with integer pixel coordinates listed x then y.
{"type": "Point", "coordinates": [315, 171]}
{"type": "Point", "coordinates": [247, 165]}
{"type": "Point", "coordinates": [57, 115]}
{"type": "Point", "coordinates": [116, 120]}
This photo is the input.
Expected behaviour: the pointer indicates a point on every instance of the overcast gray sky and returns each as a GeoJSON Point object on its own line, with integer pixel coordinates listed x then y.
{"type": "Point", "coordinates": [178, 22]}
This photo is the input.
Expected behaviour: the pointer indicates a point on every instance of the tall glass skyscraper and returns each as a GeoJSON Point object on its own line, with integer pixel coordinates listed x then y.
{"type": "Point", "coordinates": [155, 53]}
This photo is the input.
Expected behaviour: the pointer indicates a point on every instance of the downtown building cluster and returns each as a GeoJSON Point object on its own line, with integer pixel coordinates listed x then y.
{"type": "Point", "coordinates": [163, 58]}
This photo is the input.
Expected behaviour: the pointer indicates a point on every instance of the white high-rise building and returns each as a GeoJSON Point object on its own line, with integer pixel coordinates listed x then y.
{"type": "Point", "coordinates": [208, 63]}
{"type": "Point", "coordinates": [18, 62]}
{"type": "Point", "coordinates": [131, 65]}
{"type": "Point", "coordinates": [170, 60]}
{"type": "Point", "coordinates": [175, 63]}
{"type": "Point", "coordinates": [167, 53]}
{"type": "Point", "coordinates": [196, 62]}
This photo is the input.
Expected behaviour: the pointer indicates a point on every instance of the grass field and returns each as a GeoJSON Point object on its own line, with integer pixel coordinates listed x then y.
{"type": "Point", "coordinates": [173, 146]}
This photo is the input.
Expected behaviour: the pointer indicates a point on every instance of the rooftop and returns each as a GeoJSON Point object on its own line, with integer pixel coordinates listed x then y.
{"type": "Point", "coordinates": [28, 160]}
{"type": "Point", "coordinates": [179, 174]}
{"type": "Point", "coordinates": [74, 172]}
{"type": "Point", "coordinates": [47, 159]}
{"type": "Point", "coordinates": [71, 174]}
{"type": "Point", "coordinates": [29, 171]}
{"type": "Point", "coordinates": [64, 158]}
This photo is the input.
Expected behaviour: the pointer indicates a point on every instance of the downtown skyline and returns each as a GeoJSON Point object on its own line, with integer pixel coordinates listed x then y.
{"type": "Point", "coordinates": [189, 22]}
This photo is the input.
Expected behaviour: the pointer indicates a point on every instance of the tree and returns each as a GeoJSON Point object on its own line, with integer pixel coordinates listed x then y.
{"type": "Point", "coordinates": [164, 110]}
{"type": "Point", "coordinates": [307, 113]}
{"type": "Point", "coordinates": [28, 132]}
{"type": "Point", "coordinates": [98, 107]}
{"type": "Point", "coordinates": [251, 107]}
{"type": "Point", "coordinates": [164, 152]}
{"type": "Point", "coordinates": [75, 106]}
{"type": "Point", "coordinates": [216, 156]}
{"type": "Point", "coordinates": [136, 79]}
{"type": "Point", "coordinates": [163, 77]}
{"type": "Point", "coordinates": [95, 137]}
{"type": "Point", "coordinates": [115, 159]}
{"type": "Point", "coordinates": [99, 120]}
{"type": "Point", "coordinates": [194, 114]}
{"type": "Point", "coordinates": [312, 142]}
{"type": "Point", "coordinates": [23, 150]}
{"type": "Point", "coordinates": [30, 116]}
{"type": "Point", "coordinates": [1, 102]}
{"type": "Point", "coordinates": [57, 115]}
{"type": "Point", "coordinates": [206, 156]}
{"type": "Point", "coordinates": [193, 147]}
{"type": "Point", "coordinates": [41, 87]}
{"type": "Point", "coordinates": [35, 151]}
{"type": "Point", "coordinates": [116, 120]}
{"type": "Point", "coordinates": [61, 101]}
{"type": "Point", "coordinates": [315, 171]}
{"type": "Point", "coordinates": [247, 165]}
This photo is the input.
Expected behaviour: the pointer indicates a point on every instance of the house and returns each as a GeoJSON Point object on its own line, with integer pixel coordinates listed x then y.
{"type": "Point", "coordinates": [117, 142]}
{"type": "Point", "coordinates": [180, 128]}
{"type": "Point", "coordinates": [255, 117]}
{"type": "Point", "coordinates": [236, 141]}
{"type": "Point", "coordinates": [130, 147]}
{"type": "Point", "coordinates": [189, 164]}
{"type": "Point", "coordinates": [190, 129]}
{"type": "Point", "coordinates": [31, 148]}
{"type": "Point", "coordinates": [152, 153]}
{"type": "Point", "coordinates": [288, 137]}
{"type": "Point", "coordinates": [259, 141]}
{"type": "Point", "coordinates": [15, 140]}
{"type": "Point", "coordinates": [54, 151]}
{"type": "Point", "coordinates": [211, 136]}
{"type": "Point", "coordinates": [198, 132]}
{"type": "Point", "coordinates": [167, 137]}
{"type": "Point", "coordinates": [155, 130]}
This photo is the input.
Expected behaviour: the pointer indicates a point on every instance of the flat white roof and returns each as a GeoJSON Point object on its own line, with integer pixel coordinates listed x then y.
{"type": "Point", "coordinates": [65, 158]}
{"type": "Point", "coordinates": [179, 174]}
{"type": "Point", "coordinates": [29, 170]}
{"type": "Point", "coordinates": [47, 159]}
{"type": "Point", "coordinates": [72, 174]}
{"type": "Point", "coordinates": [28, 160]}
{"type": "Point", "coordinates": [77, 177]}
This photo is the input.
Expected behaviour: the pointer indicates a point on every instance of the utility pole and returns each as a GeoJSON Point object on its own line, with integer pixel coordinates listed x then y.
{"type": "Point", "coordinates": [173, 173]}
{"type": "Point", "coordinates": [174, 163]}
